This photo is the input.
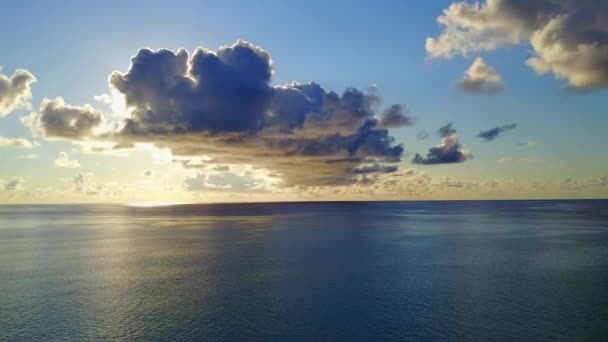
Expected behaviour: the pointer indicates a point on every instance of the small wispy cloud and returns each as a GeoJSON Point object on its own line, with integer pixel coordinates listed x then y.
{"type": "Point", "coordinates": [15, 142]}
{"type": "Point", "coordinates": [505, 160]}
{"type": "Point", "coordinates": [14, 185]}
{"type": "Point", "coordinates": [446, 130]}
{"type": "Point", "coordinates": [495, 132]}
{"type": "Point", "coordinates": [526, 143]}
{"type": "Point", "coordinates": [63, 160]}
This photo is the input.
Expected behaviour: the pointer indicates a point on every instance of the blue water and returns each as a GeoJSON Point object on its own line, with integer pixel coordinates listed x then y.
{"type": "Point", "coordinates": [408, 271]}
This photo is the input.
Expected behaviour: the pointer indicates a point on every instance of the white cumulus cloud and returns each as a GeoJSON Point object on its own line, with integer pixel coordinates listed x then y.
{"type": "Point", "coordinates": [481, 78]}
{"type": "Point", "coordinates": [15, 91]}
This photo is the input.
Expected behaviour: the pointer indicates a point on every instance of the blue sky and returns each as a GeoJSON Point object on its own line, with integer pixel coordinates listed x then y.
{"type": "Point", "coordinates": [72, 47]}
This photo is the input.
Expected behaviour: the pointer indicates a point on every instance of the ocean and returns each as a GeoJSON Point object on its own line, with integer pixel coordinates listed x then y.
{"type": "Point", "coordinates": [347, 271]}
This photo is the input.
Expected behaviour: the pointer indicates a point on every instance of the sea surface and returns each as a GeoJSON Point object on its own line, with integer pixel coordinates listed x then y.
{"type": "Point", "coordinates": [362, 271]}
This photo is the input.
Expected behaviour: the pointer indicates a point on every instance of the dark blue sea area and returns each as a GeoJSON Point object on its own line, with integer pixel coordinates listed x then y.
{"type": "Point", "coordinates": [347, 271]}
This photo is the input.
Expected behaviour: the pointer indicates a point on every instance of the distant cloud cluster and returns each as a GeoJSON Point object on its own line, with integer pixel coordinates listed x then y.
{"type": "Point", "coordinates": [15, 91]}
{"type": "Point", "coordinates": [223, 178]}
{"type": "Point", "coordinates": [569, 38]}
{"type": "Point", "coordinates": [481, 78]}
{"type": "Point", "coordinates": [86, 184]}
{"type": "Point", "coordinates": [449, 151]}
{"type": "Point", "coordinates": [221, 104]}
{"type": "Point", "coordinates": [578, 184]}
{"type": "Point", "coordinates": [495, 132]}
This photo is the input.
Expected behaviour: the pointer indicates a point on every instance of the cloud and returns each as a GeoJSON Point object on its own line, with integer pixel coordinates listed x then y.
{"type": "Point", "coordinates": [220, 104]}
{"type": "Point", "coordinates": [449, 151]}
{"type": "Point", "coordinates": [221, 168]}
{"type": "Point", "coordinates": [574, 47]}
{"type": "Point", "coordinates": [526, 143]}
{"type": "Point", "coordinates": [64, 161]}
{"type": "Point", "coordinates": [577, 184]}
{"type": "Point", "coordinates": [232, 181]}
{"type": "Point", "coordinates": [15, 184]}
{"type": "Point", "coordinates": [15, 91]}
{"type": "Point", "coordinates": [147, 173]}
{"type": "Point", "coordinates": [374, 168]}
{"type": "Point", "coordinates": [481, 78]}
{"type": "Point", "coordinates": [15, 142]}
{"type": "Point", "coordinates": [79, 181]}
{"type": "Point", "coordinates": [31, 156]}
{"type": "Point", "coordinates": [486, 26]}
{"type": "Point", "coordinates": [86, 184]}
{"type": "Point", "coordinates": [569, 38]}
{"type": "Point", "coordinates": [531, 161]}
{"type": "Point", "coordinates": [59, 120]}
{"type": "Point", "coordinates": [225, 182]}
{"type": "Point", "coordinates": [395, 116]}
{"type": "Point", "coordinates": [528, 161]}
{"type": "Point", "coordinates": [495, 132]}
{"type": "Point", "coordinates": [505, 160]}
{"type": "Point", "coordinates": [446, 130]}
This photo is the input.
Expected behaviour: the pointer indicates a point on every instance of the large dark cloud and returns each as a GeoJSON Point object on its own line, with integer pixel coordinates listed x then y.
{"type": "Point", "coordinates": [495, 132]}
{"type": "Point", "coordinates": [569, 38]}
{"type": "Point", "coordinates": [221, 104]}
{"type": "Point", "coordinates": [15, 91]}
{"type": "Point", "coordinates": [212, 92]}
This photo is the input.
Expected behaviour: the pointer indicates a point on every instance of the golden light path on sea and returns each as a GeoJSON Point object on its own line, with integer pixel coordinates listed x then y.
{"type": "Point", "coordinates": [154, 204]}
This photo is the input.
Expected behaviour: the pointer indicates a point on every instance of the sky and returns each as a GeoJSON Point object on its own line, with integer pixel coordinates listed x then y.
{"type": "Point", "coordinates": [220, 101]}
